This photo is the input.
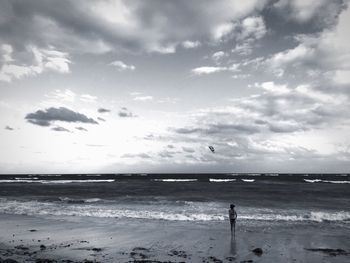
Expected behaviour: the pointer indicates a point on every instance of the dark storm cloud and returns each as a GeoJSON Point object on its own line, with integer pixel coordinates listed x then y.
{"type": "Point", "coordinates": [125, 113]}
{"type": "Point", "coordinates": [90, 26]}
{"type": "Point", "coordinates": [60, 129]}
{"type": "Point", "coordinates": [9, 128]}
{"type": "Point", "coordinates": [81, 128]}
{"type": "Point", "coordinates": [103, 110]}
{"type": "Point", "coordinates": [47, 116]}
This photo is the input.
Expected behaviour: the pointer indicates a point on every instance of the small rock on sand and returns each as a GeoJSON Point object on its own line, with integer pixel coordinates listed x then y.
{"type": "Point", "coordinates": [329, 251]}
{"type": "Point", "coordinates": [258, 251]}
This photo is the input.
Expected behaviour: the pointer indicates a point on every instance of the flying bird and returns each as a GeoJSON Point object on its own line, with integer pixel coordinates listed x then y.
{"type": "Point", "coordinates": [212, 149]}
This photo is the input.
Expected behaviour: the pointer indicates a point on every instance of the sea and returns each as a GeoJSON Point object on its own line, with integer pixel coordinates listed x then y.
{"type": "Point", "coordinates": [198, 198]}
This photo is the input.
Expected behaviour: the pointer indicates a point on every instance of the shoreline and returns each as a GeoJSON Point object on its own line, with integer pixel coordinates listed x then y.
{"type": "Point", "coordinates": [79, 239]}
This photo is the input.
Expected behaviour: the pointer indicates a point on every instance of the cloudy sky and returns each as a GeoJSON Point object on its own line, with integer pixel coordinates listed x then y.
{"type": "Point", "coordinates": [147, 86]}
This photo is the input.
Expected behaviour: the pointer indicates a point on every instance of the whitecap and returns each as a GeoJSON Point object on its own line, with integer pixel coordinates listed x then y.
{"type": "Point", "coordinates": [326, 181]}
{"type": "Point", "coordinates": [221, 180]}
{"type": "Point", "coordinates": [175, 180]}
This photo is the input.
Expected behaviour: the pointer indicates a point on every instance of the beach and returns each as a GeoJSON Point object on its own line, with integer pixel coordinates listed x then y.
{"type": "Point", "coordinates": [31, 239]}
{"type": "Point", "coordinates": [174, 220]}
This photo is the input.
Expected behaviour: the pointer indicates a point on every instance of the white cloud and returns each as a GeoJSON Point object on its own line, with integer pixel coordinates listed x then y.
{"type": "Point", "coordinates": [143, 98]}
{"type": "Point", "coordinates": [283, 123]}
{"type": "Point", "coordinates": [222, 30]}
{"type": "Point", "coordinates": [253, 27]}
{"type": "Point", "coordinates": [273, 88]}
{"type": "Point", "coordinates": [219, 55]}
{"type": "Point", "coordinates": [303, 11]}
{"type": "Point", "coordinates": [327, 53]}
{"type": "Point", "coordinates": [244, 48]}
{"type": "Point", "coordinates": [191, 44]}
{"type": "Point", "coordinates": [5, 52]}
{"type": "Point", "coordinates": [62, 95]}
{"type": "Point", "coordinates": [241, 76]}
{"type": "Point", "coordinates": [342, 77]}
{"type": "Point", "coordinates": [248, 32]}
{"type": "Point", "coordinates": [207, 70]}
{"type": "Point", "coordinates": [292, 56]}
{"type": "Point", "coordinates": [88, 98]}
{"type": "Point", "coordinates": [121, 66]}
{"type": "Point", "coordinates": [210, 70]}
{"type": "Point", "coordinates": [43, 60]}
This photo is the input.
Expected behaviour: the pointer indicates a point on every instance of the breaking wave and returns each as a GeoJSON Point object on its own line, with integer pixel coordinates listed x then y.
{"type": "Point", "coordinates": [248, 180]}
{"type": "Point", "coordinates": [175, 180]}
{"type": "Point", "coordinates": [326, 181]}
{"type": "Point", "coordinates": [18, 180]}
{"type": "Point", "coordinates": [171, 211]}
{"type": "Point", "coordinates": [79, 201]}
{"type": "Point", "coordinates": [221, 180]}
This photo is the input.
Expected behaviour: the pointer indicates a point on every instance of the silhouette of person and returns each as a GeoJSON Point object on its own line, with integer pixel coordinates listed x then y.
{"type": "Point", "coordinates": [232, 216]}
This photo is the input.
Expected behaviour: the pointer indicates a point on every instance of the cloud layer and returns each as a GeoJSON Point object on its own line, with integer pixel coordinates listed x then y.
{"type": "Point", "coordinates": [48, 116]}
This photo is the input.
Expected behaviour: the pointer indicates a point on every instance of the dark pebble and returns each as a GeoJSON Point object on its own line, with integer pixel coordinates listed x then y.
{"type": "Point", "coordinates": [258, 251]}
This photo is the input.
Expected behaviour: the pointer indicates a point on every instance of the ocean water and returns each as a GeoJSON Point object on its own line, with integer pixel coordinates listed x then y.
{"type": "Point", "coordinates": [202, 198]}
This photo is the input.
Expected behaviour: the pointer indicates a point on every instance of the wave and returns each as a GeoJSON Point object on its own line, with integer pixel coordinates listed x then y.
{"type": "Point", "coordinates": [78, 181]}
{"type": "Point", "coordinates": [31, 178]}
{"type": "Point", "coordinates": [175, 180]}
{"type": "Point", "coordinates": [184, 211]}
{"type": "Point", "coordinates": [57, 181]}
{"type": "Point", "coordinates": [312, 216]}
{"type": "Point", "coordinates": [79, 201]}
{"type": "Point", "coordinates": [248, 180]}
{"type": "Point", "coordinates": [221, 180]}
{"type": "Point", "coordinates": [20, 181]}
{"type": "Point", "coordinates": [326, 181]}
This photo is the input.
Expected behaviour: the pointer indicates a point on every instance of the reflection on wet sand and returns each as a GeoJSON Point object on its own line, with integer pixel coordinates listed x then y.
{"type": "Point", "coordinates": [233, 246]}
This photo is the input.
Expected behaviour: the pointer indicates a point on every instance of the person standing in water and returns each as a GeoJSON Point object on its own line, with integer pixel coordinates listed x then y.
{"type": "Point", "coordinates": [232, 216]}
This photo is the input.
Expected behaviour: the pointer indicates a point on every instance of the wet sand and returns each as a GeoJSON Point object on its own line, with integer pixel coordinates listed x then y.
{"type": "Point", "coordinates": [89, 239]}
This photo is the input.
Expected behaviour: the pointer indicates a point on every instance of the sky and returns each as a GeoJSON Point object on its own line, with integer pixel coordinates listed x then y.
{"type": "Point", "coordinates": [115, 86]}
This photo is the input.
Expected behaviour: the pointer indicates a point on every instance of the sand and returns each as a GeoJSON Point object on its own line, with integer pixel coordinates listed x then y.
{"type": "Point", "coordinates": [87, 239]}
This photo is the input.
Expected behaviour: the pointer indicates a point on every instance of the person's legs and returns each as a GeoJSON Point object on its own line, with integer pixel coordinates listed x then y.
{"type": "Point", "coordinates": [231, 222]}
{"type": "Point", "coordinates": [234, 227]}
